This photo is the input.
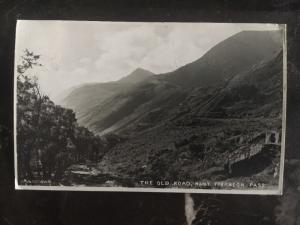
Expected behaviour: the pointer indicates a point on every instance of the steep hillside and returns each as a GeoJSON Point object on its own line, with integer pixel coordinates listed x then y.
{"type": "Point", "coordinates": [131, 109]}
{"type": "Point", "coordinates": [231, 56]}
{"type": "Point", "coordinates": [252, 93]}
{"type": "Point", "coordinates": [256, 92]}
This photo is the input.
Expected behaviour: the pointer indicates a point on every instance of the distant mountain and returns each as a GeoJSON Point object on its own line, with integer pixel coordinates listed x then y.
{"type": "Point", "coordinates": [84, 98]}
{"type": "Point", "coordinates": [137, 76]}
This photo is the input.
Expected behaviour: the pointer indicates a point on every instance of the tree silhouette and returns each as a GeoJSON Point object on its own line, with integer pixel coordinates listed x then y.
{"type": "Point", "coordinates": [49, 139]}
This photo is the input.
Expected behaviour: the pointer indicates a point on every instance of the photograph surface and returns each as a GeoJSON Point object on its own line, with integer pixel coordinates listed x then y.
{"type": "Point", "coordinates": [151, 107]}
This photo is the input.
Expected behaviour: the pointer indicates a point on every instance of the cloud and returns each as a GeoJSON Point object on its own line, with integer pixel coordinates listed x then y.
{"type": "Point", "coordinates": [125, 49]}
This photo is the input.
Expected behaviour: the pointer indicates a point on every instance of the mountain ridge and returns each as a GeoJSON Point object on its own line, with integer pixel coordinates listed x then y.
{"type": "Point", "coordinates": [82, 98]}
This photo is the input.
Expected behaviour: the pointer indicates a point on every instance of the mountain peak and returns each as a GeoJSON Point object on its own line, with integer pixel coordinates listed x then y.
{"type": "Point", "coordinates": [136, 76]}
{"type": "Point", "coordinates": [141, 70]}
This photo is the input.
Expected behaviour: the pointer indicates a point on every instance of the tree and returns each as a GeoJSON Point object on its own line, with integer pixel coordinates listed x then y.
{"type": "Point", "coordinates": [49, 139]}
{"type": "Point", "coordinates": [29, 100]}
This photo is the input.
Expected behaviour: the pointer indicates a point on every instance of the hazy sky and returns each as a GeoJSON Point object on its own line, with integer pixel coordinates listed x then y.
{"type": "Point", "coordinates": [75, 52]}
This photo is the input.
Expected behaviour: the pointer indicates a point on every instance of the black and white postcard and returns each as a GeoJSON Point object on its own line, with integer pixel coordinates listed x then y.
{"type": "Point", "coordinates": [150, 107]}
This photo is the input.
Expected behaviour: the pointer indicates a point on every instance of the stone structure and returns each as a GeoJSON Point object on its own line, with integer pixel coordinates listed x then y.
{"type": "Point", "coordinates": [251, 147]}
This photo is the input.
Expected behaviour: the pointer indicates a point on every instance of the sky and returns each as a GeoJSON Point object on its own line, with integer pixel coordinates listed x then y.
{"type": "Point", "coordinates": [78, 52]}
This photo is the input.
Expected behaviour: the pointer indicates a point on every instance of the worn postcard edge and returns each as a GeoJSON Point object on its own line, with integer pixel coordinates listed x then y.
{"type": "Point", "coordinates": [278, 191]}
